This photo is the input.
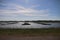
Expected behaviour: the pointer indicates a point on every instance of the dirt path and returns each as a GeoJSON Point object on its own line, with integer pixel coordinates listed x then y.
{"type": "Point", "coordinates": [29, 38]}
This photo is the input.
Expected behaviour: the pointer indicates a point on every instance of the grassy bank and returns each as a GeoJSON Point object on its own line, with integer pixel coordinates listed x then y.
{"type": "Point", "coordinates": [31, 32]}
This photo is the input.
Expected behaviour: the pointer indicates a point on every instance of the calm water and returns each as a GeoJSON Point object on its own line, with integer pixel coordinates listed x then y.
{"type": "Point", "coordinates": [33, 25]}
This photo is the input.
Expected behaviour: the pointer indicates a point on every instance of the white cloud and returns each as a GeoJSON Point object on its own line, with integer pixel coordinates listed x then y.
{"type": "Point", "coordinates": [18, 9]}
{"type": "Point", "coordinates": [34, 6]}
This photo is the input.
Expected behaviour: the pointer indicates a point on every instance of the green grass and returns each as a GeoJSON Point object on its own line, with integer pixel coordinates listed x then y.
{"type": "Point", "coordinates": [37, 31]}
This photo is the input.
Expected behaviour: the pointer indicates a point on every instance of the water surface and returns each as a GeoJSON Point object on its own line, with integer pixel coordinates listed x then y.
{"type": "Point", "coordinates": [33, 25]}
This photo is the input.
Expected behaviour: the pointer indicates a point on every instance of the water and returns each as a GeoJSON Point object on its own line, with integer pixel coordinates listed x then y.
{"type": "Point", "coordinates": [33, 25]}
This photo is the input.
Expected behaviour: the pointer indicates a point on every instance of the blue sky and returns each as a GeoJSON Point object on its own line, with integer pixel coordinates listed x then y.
{"type": "Point", "coordinates": [30, 10]}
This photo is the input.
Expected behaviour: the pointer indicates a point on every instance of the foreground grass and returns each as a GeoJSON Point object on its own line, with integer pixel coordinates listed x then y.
{"type": "Point", "coordinates": [37, 31]}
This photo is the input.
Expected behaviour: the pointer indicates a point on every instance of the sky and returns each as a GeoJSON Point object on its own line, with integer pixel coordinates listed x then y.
{"type": "Point", "coordinates": [29, 10]}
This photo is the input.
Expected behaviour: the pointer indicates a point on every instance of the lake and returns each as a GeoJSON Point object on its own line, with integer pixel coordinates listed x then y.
{"type": "Point", "coordinates": [32, 25]}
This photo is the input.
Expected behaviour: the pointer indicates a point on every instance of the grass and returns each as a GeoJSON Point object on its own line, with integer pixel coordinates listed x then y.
{"type": "Point", "coordinates": [37, 31]}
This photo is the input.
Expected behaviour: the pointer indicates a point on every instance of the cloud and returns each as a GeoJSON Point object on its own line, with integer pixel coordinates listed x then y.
{"type": "Point", "coordinates": [13, 9]}
{"type": "Point", "coordinates": [34, 6]}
